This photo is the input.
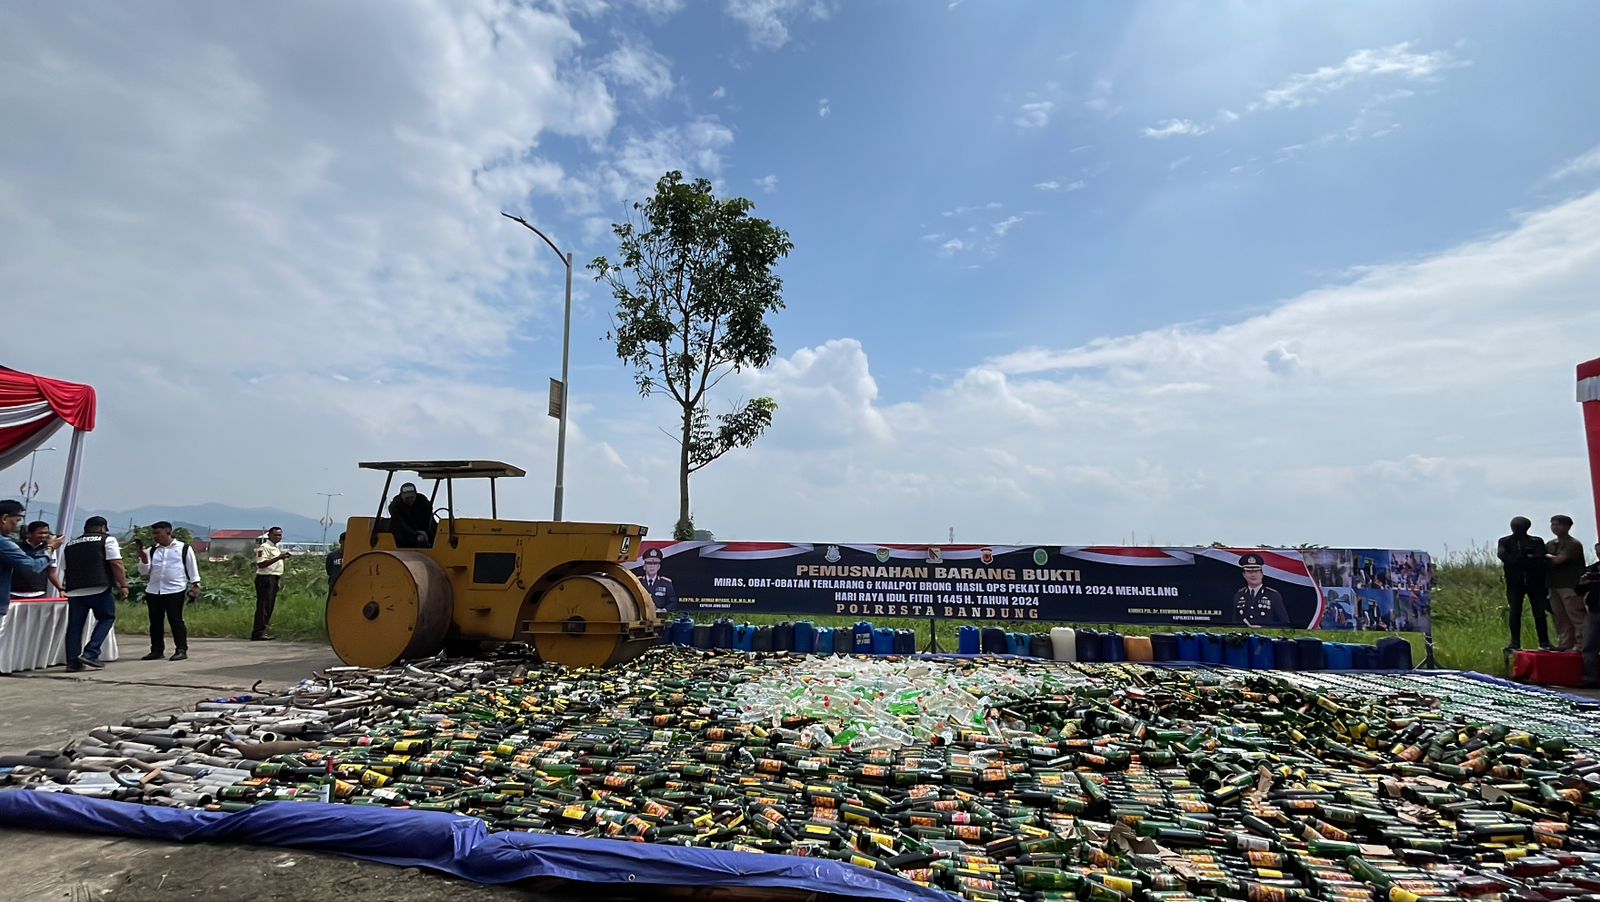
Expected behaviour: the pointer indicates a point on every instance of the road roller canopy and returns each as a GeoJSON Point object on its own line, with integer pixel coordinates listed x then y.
{"type": "Point", "coordinates": [447, 469]}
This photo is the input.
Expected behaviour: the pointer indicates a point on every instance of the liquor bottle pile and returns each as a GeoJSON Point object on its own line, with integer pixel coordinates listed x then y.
{"type": "Point", "coordinates": [989, 779]}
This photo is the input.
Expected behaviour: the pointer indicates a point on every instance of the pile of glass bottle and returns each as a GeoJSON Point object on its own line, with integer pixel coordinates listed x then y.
{"type": "Point", "coordinates": [997, 779]}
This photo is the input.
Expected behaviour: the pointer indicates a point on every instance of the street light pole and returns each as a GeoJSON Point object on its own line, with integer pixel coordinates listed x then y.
{"type": "Point", "coordinates": [327, 513]}
{"type": "Point", "coordinates": [566, 352]}
{"type": "Point", "coordinates": [28, 492]}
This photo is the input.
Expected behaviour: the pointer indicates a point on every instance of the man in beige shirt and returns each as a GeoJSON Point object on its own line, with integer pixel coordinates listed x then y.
{"type": "Point", "coordinates": [1565, 556]}
{"type": "Point", "coordinates": [269, 574]}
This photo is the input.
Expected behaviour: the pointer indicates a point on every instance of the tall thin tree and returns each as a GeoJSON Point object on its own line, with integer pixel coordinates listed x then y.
{"type": "Point", "coordinates": [694, 283]}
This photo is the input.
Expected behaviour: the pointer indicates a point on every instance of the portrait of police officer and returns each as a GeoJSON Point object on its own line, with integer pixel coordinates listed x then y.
{"type": "Point", "coordinates": [658, 587]}
{"type": "Point", "coordinates": [1257, 603]}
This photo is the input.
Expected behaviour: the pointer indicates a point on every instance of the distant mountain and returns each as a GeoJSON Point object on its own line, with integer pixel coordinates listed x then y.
{"type": "Point", "coordinates": [200, 519]}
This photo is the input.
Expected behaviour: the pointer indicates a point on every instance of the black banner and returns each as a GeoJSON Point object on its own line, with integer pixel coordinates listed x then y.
{"type": "Point", "coordinates": [1181, 587]}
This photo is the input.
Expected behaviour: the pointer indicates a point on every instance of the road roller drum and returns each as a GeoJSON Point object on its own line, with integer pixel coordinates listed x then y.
{"type": "Point", "coordinates": [388, 606]}
{"type": "Point", "coordinates": [593, 620]}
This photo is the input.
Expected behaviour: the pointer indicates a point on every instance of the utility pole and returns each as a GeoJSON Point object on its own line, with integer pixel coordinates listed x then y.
{"type": "Point", "coordinates": [327, 513]}
{"type": "Point", "coordinates": [558, 400]}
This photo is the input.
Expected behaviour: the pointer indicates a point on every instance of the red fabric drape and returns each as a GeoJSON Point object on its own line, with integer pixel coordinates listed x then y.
{"type": "Point", "coordinates": [16, 436]}
{"type": "Point", "coordinates": [71, 402]}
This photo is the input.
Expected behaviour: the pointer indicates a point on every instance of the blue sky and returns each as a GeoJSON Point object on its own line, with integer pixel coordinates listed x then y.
{"type": "Point", "coordinates": [1075, 272]}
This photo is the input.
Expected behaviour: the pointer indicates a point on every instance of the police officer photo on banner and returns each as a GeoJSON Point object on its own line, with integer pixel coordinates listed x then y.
{"type": "Point", "coordinates": [1258, 604]}
{"type": "Point", "coordinates": [658, 587]}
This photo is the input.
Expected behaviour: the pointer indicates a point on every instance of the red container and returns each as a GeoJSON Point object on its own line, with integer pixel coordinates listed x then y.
{"type": "Point", "coordinates": [1548, 668]}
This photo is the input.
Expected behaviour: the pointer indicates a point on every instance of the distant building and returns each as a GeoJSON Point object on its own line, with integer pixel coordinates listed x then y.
{"type": "Point", "coordinates": [229, 542]}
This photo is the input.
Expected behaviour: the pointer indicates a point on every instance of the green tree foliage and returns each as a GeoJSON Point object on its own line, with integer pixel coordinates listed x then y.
{"type": "Point", "coordinates": [694, 285]}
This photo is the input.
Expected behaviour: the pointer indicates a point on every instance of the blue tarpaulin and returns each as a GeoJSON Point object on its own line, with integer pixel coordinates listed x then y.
{"type": "Point", "coordinates": [456, 845]}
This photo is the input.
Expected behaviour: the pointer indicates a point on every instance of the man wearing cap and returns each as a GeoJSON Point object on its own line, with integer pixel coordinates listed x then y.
{"type": "Point", "coordinates": [411, 519]}
{"type": "Point", "coordinates": [658, 587]}
{"type": "Point", "coordinates": [1258, 604]}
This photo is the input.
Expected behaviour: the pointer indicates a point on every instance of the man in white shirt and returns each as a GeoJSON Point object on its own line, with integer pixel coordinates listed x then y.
{"type": "Point", "coordinates": [269, 575]}
{"type": "Point", "coordinates": [174, 578]}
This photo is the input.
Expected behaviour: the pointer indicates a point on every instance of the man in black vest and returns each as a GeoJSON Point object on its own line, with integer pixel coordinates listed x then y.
{"type": "Point", "coordinates": [334, 563]}
{"type": "Point", "coordinates": [35, 543]}
{"type": "Point", "coordinates": [92, 568]}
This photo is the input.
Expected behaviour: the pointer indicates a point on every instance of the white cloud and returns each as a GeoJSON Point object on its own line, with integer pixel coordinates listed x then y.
{"type": "Point", "coordinates": [824, 109]}
{"type": "Point", "coordinates": [1099, 99]}
{"type": "Point", "coordinates": [1395, 61]}
{"type": "Point", "coordinates": [1314, 421]}
{"type": "Point", "coordinates": [659, 8]}
{"type": "Point", "coordinates": [1280, 359]}
{"type": "Point", "coordinates": [1035, 114]}
{"type": "Point", "coordinates": [1583, 164]}
{"type": "Point", "coordinates": [767, 183]}
{"type": "Point", "coordinates": [951, 246]}
{"type": "Point", "coordinates": [719, 93]}
{"type": "Point", "coordinates": [636, 66]}
{"type": "Point", "coordinates": [964, 210]}
{"type": "Point", "coordinates": [1006, 225]}
{"type": "Point", "coordinates": [695, 147]}
{"type": "Point", "coordinates": [769, 21]}
{"type": "Point", "coordinates": [1179, 163]}
{"type": "Point", "coordinates": [1171, 127]}
{"type": "Point", "coordinates": [322, 241]}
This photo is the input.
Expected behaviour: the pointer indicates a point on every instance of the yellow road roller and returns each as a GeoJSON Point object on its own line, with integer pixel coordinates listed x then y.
{"type": "Point", "coordinates": [408, 592]}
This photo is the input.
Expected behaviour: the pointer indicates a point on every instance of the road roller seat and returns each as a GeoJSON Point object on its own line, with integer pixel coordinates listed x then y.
{"type": "Point", "coordinates": [563, 587]}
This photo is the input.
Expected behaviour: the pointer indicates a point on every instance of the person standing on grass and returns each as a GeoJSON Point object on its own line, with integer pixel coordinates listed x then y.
{"type": "Point", "coordinates": [13, 560]}
{"type": "Point", "coordinates": [1524, 558]}
{"type": "Point", "coordinates": [35, 543]}
{"type": "Point", "coordinates": [1565, 555]}
{"type": "Point", "coordinates": [269, 576]}
{"type": "Point", "coordinates": [174, 578]}
{"type": "Point", "coordinates": [1589, 583]}
{"type": "Point", "coordinates": [92, 566]}
{"type": "Point", "coordinates": [335, 563]}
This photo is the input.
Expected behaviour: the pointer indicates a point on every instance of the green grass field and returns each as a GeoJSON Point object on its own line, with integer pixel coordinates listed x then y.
{"type": "Point", "coordinates": [1469, 611]}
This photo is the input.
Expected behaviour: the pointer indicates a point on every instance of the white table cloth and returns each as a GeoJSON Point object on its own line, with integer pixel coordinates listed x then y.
{"type": "Point", "coordinates": [35, 635]}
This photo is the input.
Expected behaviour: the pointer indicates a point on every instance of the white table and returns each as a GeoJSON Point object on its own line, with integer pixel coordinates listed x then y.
{"type": "Point", "coordinates": [35, 635]}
